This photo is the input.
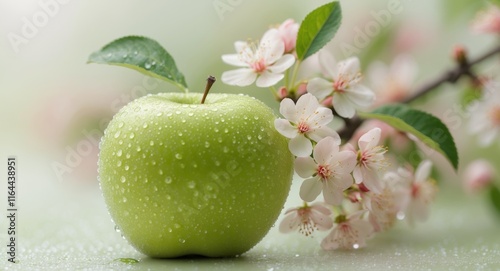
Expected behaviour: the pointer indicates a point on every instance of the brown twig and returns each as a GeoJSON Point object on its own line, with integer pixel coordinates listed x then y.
{"type": "Point", "coordinates": [450, 76]}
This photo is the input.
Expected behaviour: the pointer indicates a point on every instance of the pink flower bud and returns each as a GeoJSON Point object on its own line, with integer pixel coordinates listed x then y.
{"type": "Point", "coordinates": [282, 93]}
{"type": "Point", "coordinates": [478, 175]}
{"type": "Point", "coordinates": [459, 54]}
{"type": "Point", "coordinates": [288, 31]}
{"type": "Point", "coordinates": [302, 89]}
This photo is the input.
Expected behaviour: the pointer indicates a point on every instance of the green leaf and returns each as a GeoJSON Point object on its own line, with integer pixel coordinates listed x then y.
{"type": "Point", "coordinates": [317, 29]}
{"type": "Point", "coordinates": [495, 198]}
{"type": "Point", "coordinates": [142, 54]}
{"type": "Point", "coordinates": [429, 129]}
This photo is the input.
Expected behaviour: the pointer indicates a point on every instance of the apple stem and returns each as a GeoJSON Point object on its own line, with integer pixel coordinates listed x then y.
{"type": "Point", "coordinates": [210, 82]}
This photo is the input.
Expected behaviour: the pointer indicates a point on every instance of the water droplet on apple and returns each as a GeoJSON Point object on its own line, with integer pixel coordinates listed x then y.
{"type": "Point", "coordinates": [207, 144]}
{"type": "Point", "coordinates": [124, 199]}
{"type": "Point", "coordinates": [127, 167]}
{"type": "Point", "coordinates": [151, 143]}
{"type": "Point", "coordinates": [217, 163]}
{"type": "Point", "coordinates": [120, 125]}
{"type": "Point", "coordinates": [178, 156]}
{"type": "Point", "coordinates": [169, 229]}
{"type": "Point", "coordinates": [147, 65]}
{"type": "Point", "coordinates": [123, 179]}
{"type": "Point", "coordinates": [190, 114]}
{"type": "Point", "coordinates": [145, 126]}
{"type": "Point", "coordinates": [138, 148]}
{"type": "Point", "coordinates": [159, 114]}
{"type": "Point", "coordinates": [177, 225]}
{"type": "Point", "coordinates": [225, 149]}
{"type": "Point", "coordinates": [155, 188]}
{"type": "Point", "coordinates": [127, 155]}
{"type": "Point", "coordinates": [191, 185]}
{"type": "Point", "coordinates": [117, 229]}
{"type": "Point", "coordinates": [119, 163]}
{"type": "Point", "coordinates": [168, 180]}
{"type": "Point", "coordinates": [178, 112]}
{"type": "Point", "coordinates": [182, 241]}
{"type": "Point", "coordinates": [119, 153]}
{"type": "Point", "coordinates": [255, 117]}
{"type": "Point", "coordinates": [179, 133]}
{"type": "Point", "coordinates": [160, 171]}
{"type": "Point", "coordinates": [117, 134]}
{"type": "Point", "coordinates": [120, 142]}
{"type": "Point", "coordinates": [249, 137]}
{"type": "Point", "coordinates": [226, 131]}
{"type": "Point", "coordinates": [132, 135]}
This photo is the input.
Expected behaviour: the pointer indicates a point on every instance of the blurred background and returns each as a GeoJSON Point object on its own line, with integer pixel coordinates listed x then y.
{"type": "Point", "coordinates": [51, 99]}
{"type": "Point", "coordinates": [54, 105]}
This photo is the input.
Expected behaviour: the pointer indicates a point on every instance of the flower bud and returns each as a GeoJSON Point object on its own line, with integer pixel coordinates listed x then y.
{"type": "Point", "coordinates": [478, 175]}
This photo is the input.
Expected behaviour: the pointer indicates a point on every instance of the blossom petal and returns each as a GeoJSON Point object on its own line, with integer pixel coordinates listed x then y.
{"type": "Point", "coordinates": [350, 66]}
{"type": "Point", "coordinates": [285, 128]}
{"type": "Point", "coordinates": [239, 77]}
{"type": "Point", "coordinates": [323, 132]}
{"type": "Point", "coordinates": [240, 46]}
{"type": "Point", "coordinates": [290, 223]}
{"type": "Point", "coordinates": [346, 160]}
{"type": "Point", "coordinates": [360, 95]}
{"type": "Point", "coordinates": [305, 166]}
{"type": "Point", "coordinates": [300, 146]}
{"type": "Point", "coordinates": [343, 106]}
{"type": "Point", "coordinates": [323, 222]}
{"type": "Point", "coordinates": [310, 189]}
{"type": "Point", "coordinates": [272, 46]}
{"type": "Point", "coordinates": [287, 109]}
{"type": "Point", "coordinates": [322, 116]}
{"type": "Point", "coordinates": [234, 60]}
{"type": "Point", "coordinates": [423, 171]}
{"type": "Point", "coordinates": [370, 139]}
{"type": "Point", "coordinates": [325, 150]}
{"type": "Point", "coordinates": [282, 64]}
{"type": "Point", "coordinates": [332, 192]}
{"type": "Point", "coordinates": [371, 180]}
{"type": "Point", "coordinates": [307, 105]}
{"type": "Point", "coordinates": [267, 79]}
{"type": "Point", "coordinates": [320, 87]}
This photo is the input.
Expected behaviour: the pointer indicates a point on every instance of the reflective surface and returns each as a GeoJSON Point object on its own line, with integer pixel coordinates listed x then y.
{"type": "Point", "coordinates": [68, 228]}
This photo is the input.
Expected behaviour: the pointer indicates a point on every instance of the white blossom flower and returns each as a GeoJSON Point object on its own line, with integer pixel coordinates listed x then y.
{"type": "Point", "coordinates": [307, 219]}
{"type": "Point", "coordinates": [487, 21]}
{"type": "Point", "coordinates": [350, 232]}
{"type": "Point", "coordinates": [370, 160]}
{"type": "Point", "coordinates": [329, 171]}
{"type": "Point", "coordinates": [385, 206]}
{"type": "Point", "coordinates": [420, 193]}
{"type": "Point", "coordinates": [266, 63]}
{"type": "Point", "coordinates": [392, 83]}
{"type": "Point", "coordinates": [305, 121]}
{"type": "Point", "coordinates": [485, 117]}
{"type": "Point", "coordinates": [344, 85]}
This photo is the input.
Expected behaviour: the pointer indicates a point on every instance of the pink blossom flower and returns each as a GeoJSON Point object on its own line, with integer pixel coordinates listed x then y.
{"type": "Point", "coordinates": [305, 121]}
{"type": "Point", "coordinates": [343, 85]}
{"type": "Point", "coordinates": [487, 21]}
{"type": "Point", "coordinates": [307, 219]}
{"type": "Point", "coordinates": [329, 171]}
{"type": "Point", "coordinates": [350, 233]}
{"type": "Point", "coordinates": [478, 175]}
{"type": "Point", "coordinates": [392, 83]}
{"type": "Point", "coordinates": [420, 193]}
{"type": "Point", "coordinates": [266, 63]}
{"type": "Point", "coordinates": [370, 160]}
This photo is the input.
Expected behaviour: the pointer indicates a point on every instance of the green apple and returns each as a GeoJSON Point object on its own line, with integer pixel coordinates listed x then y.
{"type": "Point", "coordinates": [184, 178]}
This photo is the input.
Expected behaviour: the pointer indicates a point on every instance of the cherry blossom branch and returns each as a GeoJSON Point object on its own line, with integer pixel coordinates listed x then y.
{"type": "Point", "coordinates": [463, 68]}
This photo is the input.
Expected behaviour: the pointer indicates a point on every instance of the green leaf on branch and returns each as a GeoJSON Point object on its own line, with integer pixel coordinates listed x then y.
{"type": "Point", "coordinates": [141, 54]}
{"type": "Point", "coordinates": [495, 198]}
{"type": "Point", "coordinates": [317, 29]}
{"type": "Point", "coordinates": [427, 128]}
